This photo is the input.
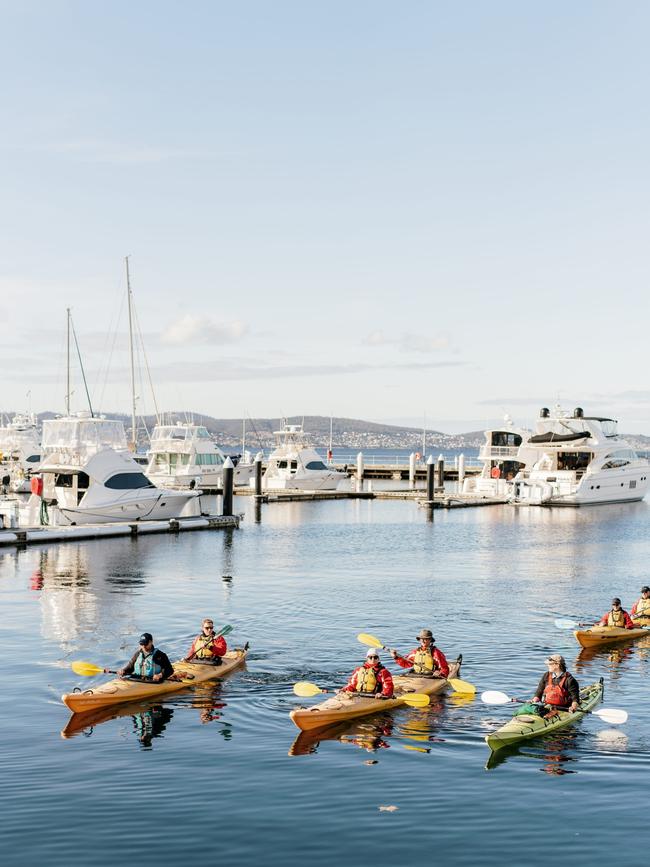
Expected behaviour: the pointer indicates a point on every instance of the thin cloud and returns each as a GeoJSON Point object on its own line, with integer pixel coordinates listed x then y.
{"type": "Point", "coordinates": [409, 341]}
{"type": "Point", "coordinates": [203, 330]}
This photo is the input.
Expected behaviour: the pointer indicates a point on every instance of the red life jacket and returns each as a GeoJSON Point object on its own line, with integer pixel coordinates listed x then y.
{"type": "Point", "coordinates": [556, 693]}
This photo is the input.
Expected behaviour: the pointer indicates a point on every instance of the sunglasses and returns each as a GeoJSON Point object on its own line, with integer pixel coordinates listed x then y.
{"type": "Point", "coordinates": [373, 656]}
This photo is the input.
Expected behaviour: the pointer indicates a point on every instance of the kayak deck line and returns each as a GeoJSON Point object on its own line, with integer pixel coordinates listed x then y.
{"type": "Point", "coordinates": [121, 690]}
{"type": "Point", "coordinates": [526, 726]}
{"type": "Point", "coordinates": [597, 636]}
{"type": "Point", "coordinates": [338, 709]}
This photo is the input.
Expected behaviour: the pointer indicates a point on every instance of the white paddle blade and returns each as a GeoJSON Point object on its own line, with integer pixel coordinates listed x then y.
{"type": "Point", "coordinates": [612, 715]}
{"type": "Point", "coordinates": [493, 696]}
{"type": "Point", "coordinates": [566, 624]}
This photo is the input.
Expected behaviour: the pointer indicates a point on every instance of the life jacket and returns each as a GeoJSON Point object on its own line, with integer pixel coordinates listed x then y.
{"type": "Point", "coordinates": [616, 618]}
{"type": "Point", "coordinates": [423, 662]}
{"type": "Point", "coordinates": [367, 680]}
{"type": "Point", "coordinates": [204, 650]}
{"type": "Point", "coordinates": [642, 607]}
{"type": "Point", "coordinates": [145, 666]}
{"type": "Point", "coordinates": [556, 693]}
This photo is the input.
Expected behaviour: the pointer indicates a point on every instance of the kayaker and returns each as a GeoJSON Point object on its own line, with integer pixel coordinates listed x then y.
{"type": "Point", "coordinates": [207, 647]}
{"type": "Point", "coordinates": [557, 689]}
{"type": "Point", "coordinates": [616, 617]}
{"type": "Point", "coordinates": [426, 660]}
{"type": "Point", "coordinates": [148, 663]}
{"type": "Point", "coordinates": [641, 607]}
{"type": "Point", "coordinates": [371, 678]}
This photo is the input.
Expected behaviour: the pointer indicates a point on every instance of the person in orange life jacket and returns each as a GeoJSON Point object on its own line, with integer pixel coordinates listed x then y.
{"type": "Point", "coordinates": [616, 617]}
{"type": "Point", "coordinates": [558, 689]}
{"type": "Point", "coordinates": [426, 660]}
{"type": "Point", "coordinates": [641, 607]}
{"type": "Point", "coordinates": [148, 662]}
{"type": "Point", "coordinates": [371, 678]}
{"type": "Point", "coordinates": [207, 647]}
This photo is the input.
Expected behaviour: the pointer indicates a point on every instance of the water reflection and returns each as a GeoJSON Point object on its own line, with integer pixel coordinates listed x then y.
{"type": "Point", "coordinates": [553, 752]}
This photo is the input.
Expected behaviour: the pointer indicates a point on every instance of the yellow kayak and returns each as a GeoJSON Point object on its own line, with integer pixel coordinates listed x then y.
{"type": "Point", "coordinates": [346, 706]}
{"type": "Point", "coordinates": [124, 689]}
{"type": "Point", "coordinates": [597, 636]}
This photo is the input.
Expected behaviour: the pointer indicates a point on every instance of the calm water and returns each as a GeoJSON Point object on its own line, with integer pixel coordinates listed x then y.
{"type": "Point", "coordinates": [219, 774]}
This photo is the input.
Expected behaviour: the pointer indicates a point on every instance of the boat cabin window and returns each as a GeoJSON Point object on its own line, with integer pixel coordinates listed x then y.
{"type": "Point", "coordinates": [294, 465]}
{"type": "Point", "coordinates": [128, 481]}
{"type": "Point", "coordinates": [505, 438]}
{"type": "Point", "coordinates": [574, 460]}
{"type": "Point", "coordinates": [33, 459]}
{"type": "Point", "coordinates": [315, 465]}
{"type": "Point", "coordinates": [282, 465]}
{"type": "Point", "coordinates": [83, 481]}
{"type": "Point", "coordinates": [619, 458]}
{"type": "Point", "coordinates": [609, 426]}
{"type": "Point", "coordinates": [63, 480]}
{"type": "Point", "coordinates": [208, 460]}
{"type": "Point", "coordinates": [202, 433]}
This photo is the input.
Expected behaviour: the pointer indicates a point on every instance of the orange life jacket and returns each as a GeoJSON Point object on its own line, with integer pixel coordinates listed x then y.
{"type": "Point", "coordinates": [203, 646]}
{"type": "Point", "coordinates": [616, 618]}
{"type": "Point", "coordinates": [367, 680]}
{"type": "Point", "coordinates": [556, 693]}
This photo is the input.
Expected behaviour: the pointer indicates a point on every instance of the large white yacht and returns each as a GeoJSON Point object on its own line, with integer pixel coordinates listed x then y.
{"type": "Point", "coordinates": [295, 465]}
{"type": "Point", "coordinates": [20, 451]}
{"type": "Point", "coordinates": [577, 460]}
{"type": "Point", "coordinates": [89, 475]}
{"type": "Point", "coordinates": [501, 463]}
{"type": "Point", "coordinates": [184, 455]}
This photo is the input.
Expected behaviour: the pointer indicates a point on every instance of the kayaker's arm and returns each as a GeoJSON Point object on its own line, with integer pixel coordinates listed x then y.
{"type": "Point", "coordinates": [402, 661]}
{"type": "Point", "coordinates": [128, 668]}
{"type": "Point", "coordinates": [628, 621]}
{"type": "Point", "coordinates": [163, 661]}
{"type": "Point", "coordinates": [541, 686]}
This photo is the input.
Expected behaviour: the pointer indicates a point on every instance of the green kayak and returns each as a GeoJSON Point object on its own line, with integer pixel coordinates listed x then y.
{"type": "Point", "coordinates": [521, 728]}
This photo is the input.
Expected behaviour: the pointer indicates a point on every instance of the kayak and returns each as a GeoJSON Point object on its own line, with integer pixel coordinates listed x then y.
{"type": "Point", "coordinates": [347, 706]}
{"type": "Point", "coordinates": [527, 726]}
{"type": "Point", "coordinates": [597, 636]}
{"type": "Point", "coordinates": [125, 689]}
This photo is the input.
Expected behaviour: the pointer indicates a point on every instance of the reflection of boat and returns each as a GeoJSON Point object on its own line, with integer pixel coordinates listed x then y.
{"type": "Point", "coordinates": [578, 460]}
{"type": "Point", "coordinates": [295, 465]}
{"type": "Point", "coordinates": [346, 706]}
{"type": "Point", "coordinates": [366, 735]}
{"type": "Point", "coordinates": [128, 690]}
{"type": "Point", "coordinates": [20, 451]}
{"type": "Point", "coordinates": [526, 726]}
{"type": "Point", "coordinates": [598, 636]}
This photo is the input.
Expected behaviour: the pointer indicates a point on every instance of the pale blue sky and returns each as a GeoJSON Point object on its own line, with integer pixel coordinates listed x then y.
{"type": "Point", "coordinates": [366, 208]}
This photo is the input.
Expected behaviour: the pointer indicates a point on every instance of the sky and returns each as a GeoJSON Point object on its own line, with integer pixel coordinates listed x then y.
{"type": "Point", "coordinates": [394, 212]}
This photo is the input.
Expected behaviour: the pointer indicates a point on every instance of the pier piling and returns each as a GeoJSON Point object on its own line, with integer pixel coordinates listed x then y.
{"type": "Point", "coordinates": [228, 479]}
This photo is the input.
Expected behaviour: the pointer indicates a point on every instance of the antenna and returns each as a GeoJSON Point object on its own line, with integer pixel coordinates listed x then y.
{"type": "Point", "coordinates": [67, 382]}
{"type": "Point", "coordinates": [129, 297]}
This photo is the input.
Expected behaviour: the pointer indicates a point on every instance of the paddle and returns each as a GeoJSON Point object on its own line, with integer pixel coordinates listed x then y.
{"type": "Point", "coordinates": [87, 669]}
{"type": "Point", "coordinates": [611, 715]}
{"type": "Point", "coordinates": [305, 690]}
{"type": "Point", "coordinates": [568, 624]}
{"type": "Point", "coordinates": [371, 641]}
{"type": "Point", "coordinates": [225, 630]}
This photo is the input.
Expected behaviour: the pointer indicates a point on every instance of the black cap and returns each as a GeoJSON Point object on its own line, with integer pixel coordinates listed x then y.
{"type": "Point", "coordinates": [645, 589]}
{"type": "Point", "coordinates": [145, 638]}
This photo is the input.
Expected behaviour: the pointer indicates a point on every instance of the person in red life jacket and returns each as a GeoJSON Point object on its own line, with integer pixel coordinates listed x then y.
{"type": "Point", "coordinates": [148, 663]}
{"type": "Point", "coordinates": [207, 647]}
{"type": "Point", "coordinates": [641, 607]}
{"type": "Point", "coordinates": [371, 678]}
{"type": "Point", "coordinates": [426, 660]}
{"type": "Point", "coordinates": [616, 617]}
{"type": "Point", "coordinates": [557, 689]}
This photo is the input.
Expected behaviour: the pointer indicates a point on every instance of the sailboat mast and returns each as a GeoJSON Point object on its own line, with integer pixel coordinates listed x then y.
{"type": "Point", "coordinates": [424, 437]}
{"type": "Point", "coordinates": [67, 381]}
{"type": "Point", "coordinates": [129, 297]}
{"type": "Point", "coordinates": [243, 436]}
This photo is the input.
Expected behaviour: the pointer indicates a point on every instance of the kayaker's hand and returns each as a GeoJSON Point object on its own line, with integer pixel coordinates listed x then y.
{"type": "Point", "coordinates": [574, 706]}
{"type": "Point", "coordinates": [394, 654]}
{"type": "Point", "coordinates": [120, 671]}
{"type": "Point", "coordinates": [156, 678]}
{"type": "Point", "coordinates": [380, 696]}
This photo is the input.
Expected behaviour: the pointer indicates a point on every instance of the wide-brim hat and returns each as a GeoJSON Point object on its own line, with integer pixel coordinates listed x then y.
{"type": "Point", "coordinates": [425, 633]}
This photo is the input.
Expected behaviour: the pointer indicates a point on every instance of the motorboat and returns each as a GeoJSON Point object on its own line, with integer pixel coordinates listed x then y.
{"type": "Point", "coordinates": [89, 475]}
{"type": "Point", "coordinates": [577, 460]}
{"type": "Point", "coordinates": [499, 455]}
{"type": "Point", "coordinates": [20, 452]}
{"type": "Point", "coordinates": [184, 455]}
{"type": "Point", "coordinates": [296, 465]}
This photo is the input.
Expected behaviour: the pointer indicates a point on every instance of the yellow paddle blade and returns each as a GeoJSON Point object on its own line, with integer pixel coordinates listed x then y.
{"type": "Point", "coordinates": [462, 686]}
{"type": "Point", "coordinates": [86, 669]}
{"type": "Point", "coordinates": [305, 689]}
{"type": "Point", "coordinates": [416, 699]}
{"type": "Point", "coordinates": [369, 640]}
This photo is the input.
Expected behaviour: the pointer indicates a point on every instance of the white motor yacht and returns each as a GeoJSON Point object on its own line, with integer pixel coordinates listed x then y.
{"type": "Point", "coordinates": [20, 451]}
{"type": "Point", "coordinates": [295, 465]}
{"type": "Point", "coordinates": [577, 460]}
{"type": "Point", "coordinates": [500, 457]}
{"type": "Point", "coordinates": [90, 476]}
{"type": "Point", "coordinates": [184, 455]}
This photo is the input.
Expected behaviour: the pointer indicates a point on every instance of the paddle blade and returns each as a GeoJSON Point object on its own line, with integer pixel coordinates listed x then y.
{"type": "Point", "coordinates": [493, 696]}
{"type": "Point", "coordinates": [305, 689]}
{"type": "Point", "coordinates": [369, 640]}
{"type": "Point", "coordinates": [85, 669]}
{"type": "Point", "coordinates": [461, 686]}
{"type": "Point", "coordinates": [566, 624]}
{"type": "Point", "coordinates": [416, 699]}
{"type": "Point", "coordinates": [612, 715]}
{"type": "Point", "coordinates": [225, 630]}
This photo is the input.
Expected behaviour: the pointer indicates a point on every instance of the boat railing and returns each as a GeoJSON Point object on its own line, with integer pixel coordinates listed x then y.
{"type": "Point", "coordinates": [489, 452]}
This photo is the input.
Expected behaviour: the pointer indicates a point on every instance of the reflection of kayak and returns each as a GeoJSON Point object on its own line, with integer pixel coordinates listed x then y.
{"type": "Point", "coordinates": [78, 722]}
{"type": "Point", "coordinates": [347, 706]}
{"type": "Point", "coordinates": [600, 635]}
{"type": "Point", "coordinates": [122, 689]}
{"type": "Point", "coordinates": [520, 728]}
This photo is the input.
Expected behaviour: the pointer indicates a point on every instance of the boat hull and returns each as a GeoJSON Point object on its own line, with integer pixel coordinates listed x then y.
{"type": "Point", "coordinates": [341, 708]}
{"type": "Point", "coordinates": [123, 690]}
{"type": "Point", "coordinates": [598, 636]}
{"type": "Point", "coordinates": [158, 508]}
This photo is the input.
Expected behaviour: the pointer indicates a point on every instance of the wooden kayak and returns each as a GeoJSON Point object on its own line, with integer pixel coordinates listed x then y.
{"type": "Point", "coordinates": [526, 726]}
{"type": "Point", "coordinates": [597, 636]}
{"type": "Point", "coordinates": [123, 689]}
{"type": "Point", "coordinates": [347, 706]}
